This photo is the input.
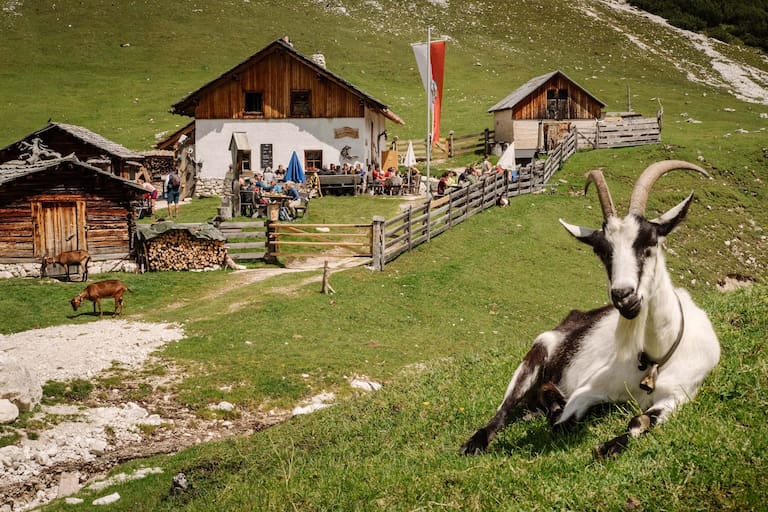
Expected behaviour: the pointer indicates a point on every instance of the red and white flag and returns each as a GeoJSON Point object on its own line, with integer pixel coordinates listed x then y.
{"type": "Point", "coordinates": [432, 70]}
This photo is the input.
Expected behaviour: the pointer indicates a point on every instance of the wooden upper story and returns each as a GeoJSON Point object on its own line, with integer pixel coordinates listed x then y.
{"type": "Point", "coordinates": [279, 83]}
{"type": "Point", "coordinates": [550, 96]}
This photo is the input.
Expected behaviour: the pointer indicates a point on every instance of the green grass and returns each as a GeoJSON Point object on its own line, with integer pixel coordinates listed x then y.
{"type": "Point", "coordinates": [444, 326]}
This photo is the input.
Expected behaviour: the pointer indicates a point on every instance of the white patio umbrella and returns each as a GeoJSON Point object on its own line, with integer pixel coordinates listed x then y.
{"type": "Point", "coordinates": [409, 161]}
{"type": "Point", "coordinates": [410, 157]}
{"type": "Point", "coordinates": [507, 159]}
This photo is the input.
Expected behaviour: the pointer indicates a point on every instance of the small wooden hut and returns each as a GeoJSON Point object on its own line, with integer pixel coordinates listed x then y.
{"type": "Point", "coordinates": [64, 204]}
{"type": "Point", "coordinates": [540, 112]}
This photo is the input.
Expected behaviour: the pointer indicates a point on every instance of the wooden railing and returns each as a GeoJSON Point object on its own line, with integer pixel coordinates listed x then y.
{"type": "Point", "coordinates": [312, 240]}
{"type": "Point", "coordinates": [243, 238]}
{"type": "Point", "coordinates": [479, 144]}
{"type": "Point", "coordinates": [383, 240]}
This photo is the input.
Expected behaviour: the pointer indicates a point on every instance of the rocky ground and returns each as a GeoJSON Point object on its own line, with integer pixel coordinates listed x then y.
{"type": "Point", "coordinates": [71, 447]}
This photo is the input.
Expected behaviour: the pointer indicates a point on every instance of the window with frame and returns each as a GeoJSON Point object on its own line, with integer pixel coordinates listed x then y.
{"type": "Point", "coordinates": [300, 104]}
{"type": "Point", "coordinates": [313, 158]}
{"type": "Point", "coordinates": [245, 161]}
{"type": "Point", "coordinates": [254, 102]}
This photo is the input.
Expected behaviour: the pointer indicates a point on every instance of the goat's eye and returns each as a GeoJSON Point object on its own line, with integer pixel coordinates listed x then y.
{"type": "Point", "coordinates": [647, 252]}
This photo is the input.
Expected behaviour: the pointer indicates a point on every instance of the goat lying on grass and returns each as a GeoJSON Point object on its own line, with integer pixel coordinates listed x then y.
{"type": "Point", "coordinates": [67, 258]}
{"type": "Point", "coordinates": [109, 289]}
{"type": "Point", "coordinates": [653, 344]}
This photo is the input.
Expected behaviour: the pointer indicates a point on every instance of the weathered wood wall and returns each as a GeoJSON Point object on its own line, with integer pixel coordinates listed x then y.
{"type": "Point", "coordinates": [275, 76]}
{"type": "Point", "coordinates": [580, 104]}
{"type": "Point", "coordinates": [36, 212]}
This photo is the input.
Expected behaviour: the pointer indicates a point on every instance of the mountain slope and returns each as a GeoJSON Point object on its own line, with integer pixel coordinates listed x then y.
{"type": "Point", "coordinates": [116, 67]}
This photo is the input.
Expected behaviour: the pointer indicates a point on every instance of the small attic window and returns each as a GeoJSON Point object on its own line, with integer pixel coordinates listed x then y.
{"type": "Point", "coordinates": [300, 104]}
{"type": "Point", "coordinates": [254, 103]}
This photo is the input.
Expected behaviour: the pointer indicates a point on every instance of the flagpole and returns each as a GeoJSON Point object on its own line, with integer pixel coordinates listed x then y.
{"type": "Point", "coordinates": [429, 107]}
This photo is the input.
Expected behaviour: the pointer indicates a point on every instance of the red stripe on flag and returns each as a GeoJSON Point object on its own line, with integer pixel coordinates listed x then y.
{"type": "Point", "coordinates": [437, 61]}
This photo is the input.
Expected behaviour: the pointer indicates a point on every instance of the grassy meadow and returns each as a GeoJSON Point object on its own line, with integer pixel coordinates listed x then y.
{"type": "Point", "coordinates": [444, 326]}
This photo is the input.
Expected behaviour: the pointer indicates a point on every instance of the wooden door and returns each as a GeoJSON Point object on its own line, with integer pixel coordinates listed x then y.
{"type": "Point", "coordinates": [59, 226]}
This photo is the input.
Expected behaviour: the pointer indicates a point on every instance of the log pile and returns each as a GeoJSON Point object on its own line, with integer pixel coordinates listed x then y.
{"type": "Point", "coordinates": [180, 250]}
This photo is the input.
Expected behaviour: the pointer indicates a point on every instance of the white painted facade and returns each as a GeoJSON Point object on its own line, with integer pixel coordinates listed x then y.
{"type": "Point", "coordinates": [213, 137]}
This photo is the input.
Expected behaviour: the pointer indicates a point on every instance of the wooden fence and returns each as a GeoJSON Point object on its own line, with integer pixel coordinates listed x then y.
{"type": "Point", "coordinates": [245, 240]}
{"type": "Point", "coordinates": [473, 144]}
{"type": "Point", "coordinates": [622, 132]}
{"type": "Point", "coordinates": [344, 240]}
{"type": "Point", "coordinates": [384, 240]}
{"type": "Point", "coordinates": [560, 154]}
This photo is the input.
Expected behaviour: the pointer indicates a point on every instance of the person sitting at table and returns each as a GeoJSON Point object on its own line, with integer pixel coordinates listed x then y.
{"type": "Point", "coordinates": [442, 185]}
{"type": "Point", "coordinates": [277, 188]}
{"type": "Point", "coordinates": [294, 198]}
{"type": "Point", "coordinates": [378, 179]}
{"type": "Point", "coordinates": [393, 184]}
{"type": "Point", "coordinates": [261, 185]}
{"type": "Point", "coordinates": [280, 173]}
{"type": "Point", "coordinates": [269, 176]}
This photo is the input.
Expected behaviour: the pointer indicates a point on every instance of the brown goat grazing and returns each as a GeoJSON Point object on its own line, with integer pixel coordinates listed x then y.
{"type": "Point", "coordinates": [67, 258]}
{"type": "Point", "coordinates": [109, 289]}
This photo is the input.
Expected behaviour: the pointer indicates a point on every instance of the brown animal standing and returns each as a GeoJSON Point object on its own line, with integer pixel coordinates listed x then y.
{"type": "Point", "coordinates": [67, 258]}
{"type": "Point", "coordinates": [109, 289]}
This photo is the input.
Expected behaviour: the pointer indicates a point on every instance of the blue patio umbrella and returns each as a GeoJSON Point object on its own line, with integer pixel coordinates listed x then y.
{"type": "Point", "coordinates": [294, 172]}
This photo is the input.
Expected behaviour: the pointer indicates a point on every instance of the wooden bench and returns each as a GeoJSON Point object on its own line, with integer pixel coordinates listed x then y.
{"type": "Point", "coordinates": [340, 184]}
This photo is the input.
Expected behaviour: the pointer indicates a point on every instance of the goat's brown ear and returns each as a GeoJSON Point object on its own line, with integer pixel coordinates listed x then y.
{"type": "Point", "coordinates": [580, 233]}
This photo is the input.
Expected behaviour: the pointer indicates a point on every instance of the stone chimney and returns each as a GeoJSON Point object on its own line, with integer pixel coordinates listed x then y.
{"type": "Point", "coordinates": [318, 58]}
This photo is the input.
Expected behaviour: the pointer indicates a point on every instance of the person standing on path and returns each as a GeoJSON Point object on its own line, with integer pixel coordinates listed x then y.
{"type": "Point", "coordinates": [174, 191]}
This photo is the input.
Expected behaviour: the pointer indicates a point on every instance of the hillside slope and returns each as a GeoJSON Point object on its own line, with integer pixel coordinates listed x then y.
{"type": "Point", "coordinates": [116, 67]}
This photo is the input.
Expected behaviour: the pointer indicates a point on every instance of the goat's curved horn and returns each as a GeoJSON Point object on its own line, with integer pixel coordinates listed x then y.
{"type": "Point", "coordinates": [603, 194]}
{"type": "Point", "coordinates": [649, 176]}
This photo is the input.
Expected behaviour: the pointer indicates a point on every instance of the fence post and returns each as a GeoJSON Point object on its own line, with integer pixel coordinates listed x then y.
{"type": "Point", "coordinates": [487, 141]}
{"type": "Point", "coordinates": [409, 227]}
{"type": "Point", "coordinates": [272, 242]}
{"type": "Point", "coordinates": [450, 143]}
{"type": "Point", "coordinates": [597, 133]}
{"type": "Point", "coordinates": [377, 242]}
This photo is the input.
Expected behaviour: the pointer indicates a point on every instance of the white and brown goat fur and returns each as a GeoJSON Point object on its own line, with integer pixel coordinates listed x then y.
{"type": "Point", "coordinates": [652, 345]}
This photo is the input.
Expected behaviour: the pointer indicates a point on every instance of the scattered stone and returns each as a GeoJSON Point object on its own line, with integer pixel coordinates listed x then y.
{"type": "Point", "coordinates": [73, 501]}
{"type": "Point", "coordinates": [108, 499]}
{"type": "Point", "coordinates": [17, 383]}
{"type": "Point", "coordinates": [8, 411]}
{"type": "Point", "coordinates": [69, 483]}
{"type": "Point", "coordinates": [315, 403]}
{"type": "Point", "coordinates": [365, 384]}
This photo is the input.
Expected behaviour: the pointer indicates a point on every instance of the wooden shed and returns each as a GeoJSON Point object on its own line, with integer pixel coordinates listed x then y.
{"type": "Point", "coordinates": [89, 147]}
{"type": "Point", "coordinates": [64, 204]}
{"type": "Point", "coordinates": [537, 114]}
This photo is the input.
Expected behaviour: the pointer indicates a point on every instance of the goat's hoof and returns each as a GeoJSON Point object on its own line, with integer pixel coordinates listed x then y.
{"type": "Point", "coordinates": [611, 449]}
{"type": "Point", "coordinates": [476, 444]}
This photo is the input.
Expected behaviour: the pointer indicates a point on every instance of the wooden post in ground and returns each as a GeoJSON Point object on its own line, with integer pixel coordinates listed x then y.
{"type": "Point", "coordinates": [377, 242]}
{"type": "Point", "coordinates": [327, 288]}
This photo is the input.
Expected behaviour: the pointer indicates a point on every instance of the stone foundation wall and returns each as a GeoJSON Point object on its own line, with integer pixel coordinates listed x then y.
{"type": "Point", "coordinates": [9, 270]}
{"type": "Point", "coordinates": [209, 187]}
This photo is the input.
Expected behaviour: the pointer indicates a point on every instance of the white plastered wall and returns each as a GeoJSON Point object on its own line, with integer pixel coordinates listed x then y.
{"type": "Point", "coordinates": [213, 136]}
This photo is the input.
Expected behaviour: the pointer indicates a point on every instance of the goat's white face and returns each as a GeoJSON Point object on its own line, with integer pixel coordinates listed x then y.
{"type": "Point", "coordinates": [629, 249]}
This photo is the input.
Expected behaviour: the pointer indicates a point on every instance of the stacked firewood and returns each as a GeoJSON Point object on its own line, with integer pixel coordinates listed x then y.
{"type": "Point", "coordinates": [179, 250]}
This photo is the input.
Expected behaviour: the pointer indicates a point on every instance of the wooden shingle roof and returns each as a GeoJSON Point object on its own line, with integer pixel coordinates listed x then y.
{"type": "Point", "coordinates": [530, 87]}
{"type": "Point", "coordinates": [11, 173]}
{"type": "Point", "coordinates": [87, 136]}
